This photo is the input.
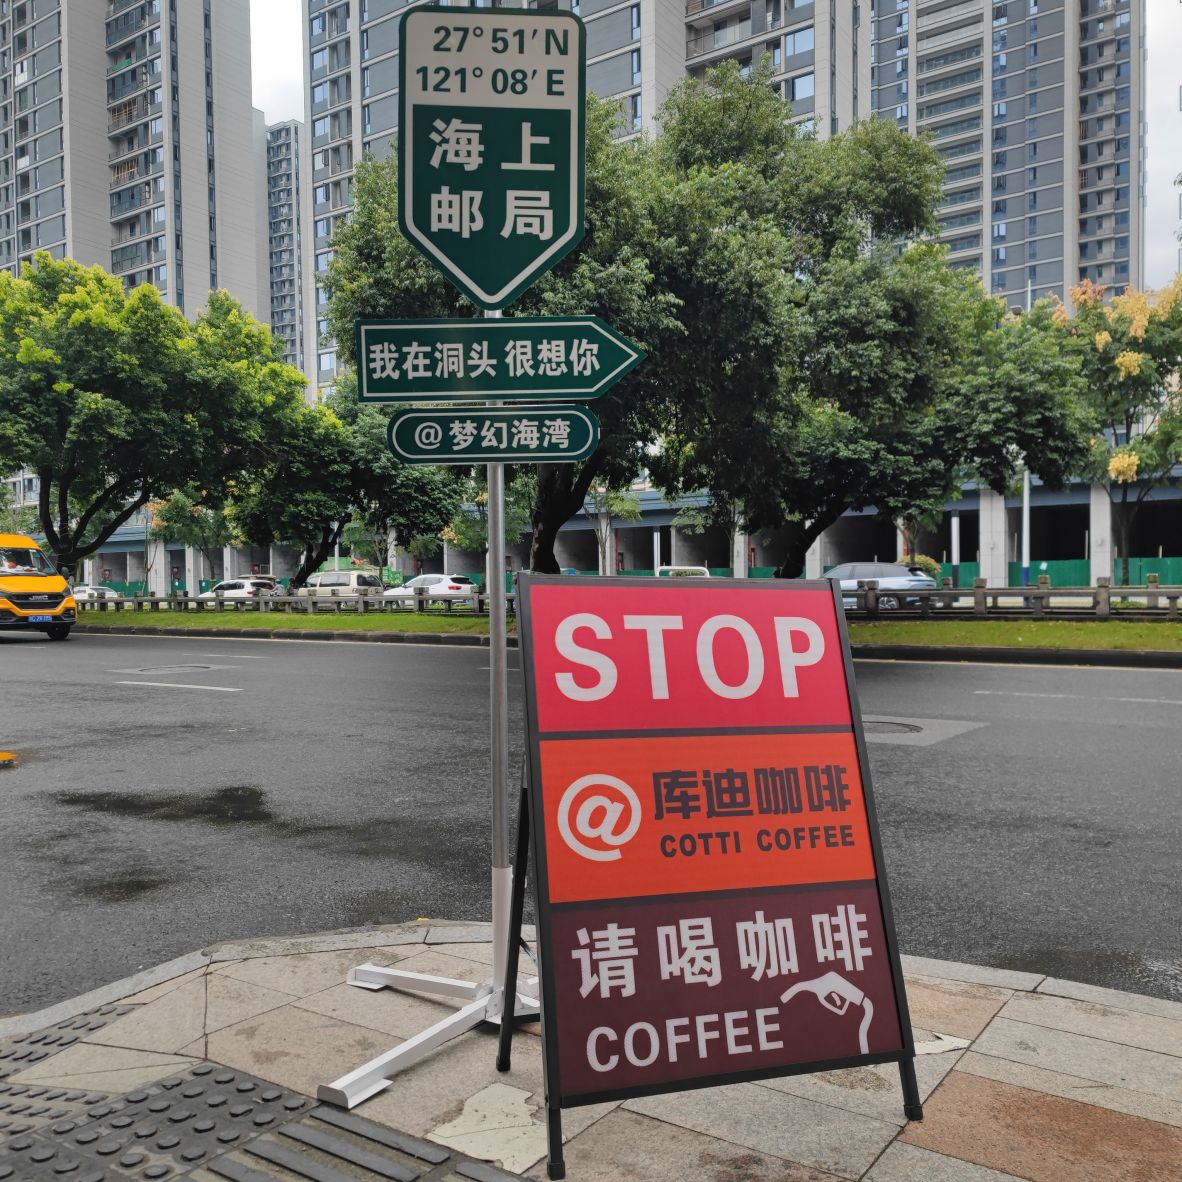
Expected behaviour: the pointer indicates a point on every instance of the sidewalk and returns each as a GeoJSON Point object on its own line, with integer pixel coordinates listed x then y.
{"type": "Point", "coordinates": [205, 1069]}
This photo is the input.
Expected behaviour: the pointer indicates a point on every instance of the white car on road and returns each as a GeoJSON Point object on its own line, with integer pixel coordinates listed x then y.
{"type": "Point", "coordinates": [241, 589]}
{"type": "Point", "coordinates": [457, 588]}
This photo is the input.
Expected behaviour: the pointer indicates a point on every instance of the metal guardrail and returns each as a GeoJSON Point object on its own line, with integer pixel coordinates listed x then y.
{"type": "Point", "coordinates": [980, 601]}
{"type": "Point", "coordinates": [352, 604]}
{"type": "Point", "coordinates": [1042, 601]}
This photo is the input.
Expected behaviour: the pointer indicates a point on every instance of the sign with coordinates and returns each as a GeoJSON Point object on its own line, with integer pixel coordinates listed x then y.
{"type": "Point", "coordinates": [525, 357]}
{"type": "Point", "coordinates": [537, 435]}
{"type": "Point", "coordinates": [491, 157]}
{"type": "Point", "coordinates": [710, 885]}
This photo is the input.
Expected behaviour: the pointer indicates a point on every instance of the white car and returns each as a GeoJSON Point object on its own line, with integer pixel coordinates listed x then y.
{"type": "Point", "coordinates": [87, 593]}
{"type": "Point", "coordinates": [457, 588]}
{"type": "Point", "coordinates": [682, 572]}
{"type": "Point", "coordinates": [240, 589]}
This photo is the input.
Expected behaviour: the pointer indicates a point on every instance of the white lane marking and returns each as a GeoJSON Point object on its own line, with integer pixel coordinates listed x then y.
{"type": "Point", "coordinates": [1079, 697]}
{"type": "Point", "coordinates": [221, 689]}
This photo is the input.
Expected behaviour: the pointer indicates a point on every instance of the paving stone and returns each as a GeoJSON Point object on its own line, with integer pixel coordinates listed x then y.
{"type": "Point", "coordinates": [1071, 1087]}
{"type": "Point", "coordinates": [1089, 1058]}
{"type": "Point", "coordinates": [1113, 997]}
{"type": "Point", "coordinates": [909, 1163]}
{"type": "Point", "coordinates": [627, 1147]}
{"type": "Point", "coordinates": [164, 1025]}
{"type": "Point", "coordinates": [229, 1000]}
{"type": "Point", "coordinates": [401, 1015]}
{"type": "Point", "coordinates": [103, 1069]}
{"type": "Point", "coordinates": [304, 973]}
{"type": "Point", "coordinates": [872, 1091]}
{"type": "Point", "coordinates": [950, 970]}
{"type": "Point", "coordinates": [816, 1135]}
{"type": "Point", "coordinates": [1130, 1028]}
{"type": "Point", "coordinates": [1043, 1138]}
{"type": "Point", "coordinates": [156, 991]}
{"type": "Point", "coordinates": [954, 1007]}
{"type": "Point", "coordinates": [433, 1091]}
{"type": "Point", "coordinates": [295, 1048]}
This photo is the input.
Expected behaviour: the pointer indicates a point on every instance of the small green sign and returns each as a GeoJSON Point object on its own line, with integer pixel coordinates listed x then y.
{"type": "Point", "coordinates": [492, 144]}
{"type": "Point", "coordinates": [526, 357]}
{"type": "Point", "coordinates": [527, 434]}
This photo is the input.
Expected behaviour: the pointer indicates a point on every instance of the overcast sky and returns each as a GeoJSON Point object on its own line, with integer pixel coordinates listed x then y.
{"type": "Point", "coordinates": [278, 90]}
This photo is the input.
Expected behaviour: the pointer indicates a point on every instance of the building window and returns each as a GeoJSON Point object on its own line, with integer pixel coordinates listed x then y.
{"type": "Point", "coordinates": [799, 42]}
{"type": "Point", "coordinates": [802, 86]}
{"type": "Point", "coordinates": [636, 67]}
{"type": "Point", "coordinates": [635, 22]}
{"type": "Point", "coordinates": [635, 111]}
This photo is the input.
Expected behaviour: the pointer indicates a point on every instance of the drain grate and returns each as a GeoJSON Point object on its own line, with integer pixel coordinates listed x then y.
{"type": "Point", "coordinates": [211, 1124]}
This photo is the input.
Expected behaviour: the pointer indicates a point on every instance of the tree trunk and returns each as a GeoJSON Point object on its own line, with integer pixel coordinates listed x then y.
{"type": "Point", "coordinates": [316, 552]}
{"type": "Point", "coordinates": [793, 564]}
{"type": "Point", "coordinates": [562, 489]}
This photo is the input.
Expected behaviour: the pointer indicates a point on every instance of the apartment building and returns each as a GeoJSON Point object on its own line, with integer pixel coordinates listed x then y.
{"type": "Point", "coordinates": [122, 143]}
{"type": "Point", "coordinates": [1037, 107]}
{"type": "Point", "coordinates": [286, 147]}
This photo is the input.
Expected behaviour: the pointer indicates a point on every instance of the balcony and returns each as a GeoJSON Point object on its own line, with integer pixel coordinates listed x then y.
{"type": "Point", "coordinates": [718, 39]}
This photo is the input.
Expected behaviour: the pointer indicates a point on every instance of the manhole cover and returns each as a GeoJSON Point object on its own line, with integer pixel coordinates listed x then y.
{"type": "Point", "coordinates": [880, 727]}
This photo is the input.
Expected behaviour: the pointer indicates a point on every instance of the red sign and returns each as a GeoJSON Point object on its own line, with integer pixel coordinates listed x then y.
{"type": "Point", "coordinates": [710, 886]}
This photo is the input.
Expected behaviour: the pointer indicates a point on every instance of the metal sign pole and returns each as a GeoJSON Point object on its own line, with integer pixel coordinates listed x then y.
{"type": "Point", "coordinates": [502, 873]}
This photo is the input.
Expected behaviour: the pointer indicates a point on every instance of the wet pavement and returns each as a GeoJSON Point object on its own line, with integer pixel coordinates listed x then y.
{"type": "Point", "coordinates": [1029, 815]}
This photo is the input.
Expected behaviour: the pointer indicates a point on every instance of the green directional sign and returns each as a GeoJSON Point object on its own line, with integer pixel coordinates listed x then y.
{"type": "Point", "coordinates": [524, 435]}
{"type": "Point", "coordinates": [526, 357]}
{"type": "Point", "coordinates": [491, 144]}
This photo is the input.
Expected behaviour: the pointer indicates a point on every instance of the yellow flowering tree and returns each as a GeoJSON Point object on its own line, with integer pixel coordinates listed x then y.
{"type": "Point", "coordinates": [1129, 349]}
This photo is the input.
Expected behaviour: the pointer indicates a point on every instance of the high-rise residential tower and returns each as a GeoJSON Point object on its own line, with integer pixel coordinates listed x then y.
{"type": "Point", "coordinates": [123, 142]}
{"type": "Point", "coordinates": [1037, 107]}
{"type": "Point", "coordinates": [286, 145]}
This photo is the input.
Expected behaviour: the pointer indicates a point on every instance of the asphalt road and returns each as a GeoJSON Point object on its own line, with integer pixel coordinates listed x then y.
{"type": "Point", "coordinates": [175, 792]}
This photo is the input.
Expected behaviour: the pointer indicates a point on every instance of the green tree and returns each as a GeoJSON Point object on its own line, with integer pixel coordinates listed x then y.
{"type": "Point", "coordinates": [665, 260]}
{"type": "Point", "coordinates": [190, 516]}
{"type": "Point", "coordinates": [114, 399]}
{"type": "Point", "coordinates": [304, 493]}
{"type": "Point", "coordinates": [468, 529]}
{"type": "Point", "coordinates": [602, 506]}
{"type": "Point", "coordinates": [407, 501]}
{"type": "Point", "coordinates": [879, 354]}
{"type": "Point", "coordinates": [1129, 352]}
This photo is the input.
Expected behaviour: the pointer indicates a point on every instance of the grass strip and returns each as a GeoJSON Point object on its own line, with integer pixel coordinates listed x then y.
{"type": "Point", "coordinates": [430, 621]}
{"type": "Point", "coordinates": [1152, 635]}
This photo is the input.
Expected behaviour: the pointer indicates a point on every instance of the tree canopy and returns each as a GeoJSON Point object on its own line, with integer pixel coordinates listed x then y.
{"type": "Point", "coordinates": [1129, 352]}
{"type": "Point", "coordinates": [115, 400]}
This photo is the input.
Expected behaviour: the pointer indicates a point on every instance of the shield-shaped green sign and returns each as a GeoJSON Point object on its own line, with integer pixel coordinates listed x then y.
{"type": "Point", "coordinates": [491, 144]}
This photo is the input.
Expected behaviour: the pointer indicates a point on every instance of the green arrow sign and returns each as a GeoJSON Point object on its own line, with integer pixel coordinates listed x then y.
{"type": "Point", "coordinates": [526, 357]}
{"type": "Point", "coordinates": [491, 144]}
{"type": "Point", "coordinates": [528, 434]}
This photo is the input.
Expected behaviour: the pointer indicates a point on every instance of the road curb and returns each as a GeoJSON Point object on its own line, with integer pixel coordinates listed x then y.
{"type": "Point", "coordinates": [969, 654]}
{"type": "Point", "coordinates": [463, 639]}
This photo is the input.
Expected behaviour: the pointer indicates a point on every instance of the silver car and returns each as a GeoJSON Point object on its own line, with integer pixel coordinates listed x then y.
{"type": "Point", "coordinates": [892, 577]}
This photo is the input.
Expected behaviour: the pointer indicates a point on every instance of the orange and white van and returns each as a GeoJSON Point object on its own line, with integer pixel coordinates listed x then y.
{"type": "Point", "coordinates": [34, 597]}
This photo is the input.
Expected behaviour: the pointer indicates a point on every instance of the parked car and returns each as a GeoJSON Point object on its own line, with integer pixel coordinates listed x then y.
{"type": "Point", "coordinates": [341, 583]}
{"type": "Point", "coordinates": [251, 588]}
{"type": "Point", "coordinates": [90, 592]}
{"type": "Point", "coordinates": [892, 577]}
{"type": "Point", "coordinates": [682, 572]}
{"type": "Point", "coordinates": [457, 588]}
